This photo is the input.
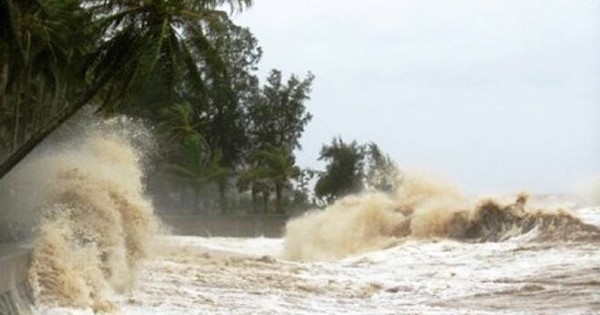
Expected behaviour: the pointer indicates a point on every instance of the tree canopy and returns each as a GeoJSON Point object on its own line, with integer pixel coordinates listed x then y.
{"type": "Point", "coordinates": [344, 172]}
{"type": "Point", "coordinates": [353, 167]}
{"type": "Point", "coordinates": [58, 56]}
{"type": "Point", "coordinates": [276, 118]}
{"type": "Point", "coordinates": [187, 70]}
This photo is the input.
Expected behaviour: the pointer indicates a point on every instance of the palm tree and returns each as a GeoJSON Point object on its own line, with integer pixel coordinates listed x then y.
{"type": "Point", "coordinates": [38, 64]}
{"type": "Point", "coordinates": [178, 122]}
{"type": "Point", "coordinates": [344, 173]}
{"type": "Point", "coordinates": [274, 167]}
{"type": "Point", "coordinates": [142, 40]}
{"type": "Point", "coordinates": [198, 167]}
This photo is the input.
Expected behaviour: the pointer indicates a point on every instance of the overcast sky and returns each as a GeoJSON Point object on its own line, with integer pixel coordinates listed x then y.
{"type": "Point", "coordinates": [495, 95]}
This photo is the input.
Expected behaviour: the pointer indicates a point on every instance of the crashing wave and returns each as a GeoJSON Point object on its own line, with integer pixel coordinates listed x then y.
{"type": "Point", "coordinates": [96, 224]}
{"type": "Point", "coordinates": [423, 208]}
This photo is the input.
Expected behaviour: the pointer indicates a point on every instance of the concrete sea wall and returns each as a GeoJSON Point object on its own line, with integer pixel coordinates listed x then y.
{"type": "Point", "coordinates": [227, 225]}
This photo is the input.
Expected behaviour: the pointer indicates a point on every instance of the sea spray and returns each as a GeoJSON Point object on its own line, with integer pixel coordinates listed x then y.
{"type": "Point", "coordinates": [372, 221]}
{"type": "Point", "coordinates": [94, 222]}
{"type": "Point", "coordinates": [423, 207]}
{"type": "Point", "coordinates": [589, 191]}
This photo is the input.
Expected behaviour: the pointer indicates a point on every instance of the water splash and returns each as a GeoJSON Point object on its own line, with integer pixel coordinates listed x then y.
{"type": "Point", "coordinates": [423, 207]}
{"type": "Point", "coordinates": [96, 224]}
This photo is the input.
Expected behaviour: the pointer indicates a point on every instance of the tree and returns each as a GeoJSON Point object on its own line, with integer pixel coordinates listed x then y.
{"type": "Point", "coordinates": [278, 115]}
{"type": "Point", "coordinates": [344, 172]}
{"type": "Point", "coordinates": [197, 167]}
{"type": "Point", "coordinates": [272, 167]}
{"type": "Point", "coordinates": [217, 111]}
{"type": "Point", "coordinates": [223, 120]}
{"type": "Point", "coordinates": [383, 174]}
{"type": "Point", "coordinates": [301, 188]}
{"type": "Point", "coordinates": [42, 51]}
{"type": "Point", "coordinates": [139, 41]}
{"type": "Point", "coordinates": [276, 118]}
{"type": "Point", "coordinates": [177, 123]}
{"type": "Point", "coordinates": [184, 152]}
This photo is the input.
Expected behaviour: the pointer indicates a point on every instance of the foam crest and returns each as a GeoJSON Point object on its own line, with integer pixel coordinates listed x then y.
{"type": "Point", "coordinates": [423, 207]}
{"type": "Point", "coordinates": [96, 224]}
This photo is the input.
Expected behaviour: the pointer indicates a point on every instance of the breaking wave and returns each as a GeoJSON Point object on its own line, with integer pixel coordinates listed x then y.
{"type": "Point", "coordinates": [96, 224]}
{"type": "Point", "coordinates": [423, 208]}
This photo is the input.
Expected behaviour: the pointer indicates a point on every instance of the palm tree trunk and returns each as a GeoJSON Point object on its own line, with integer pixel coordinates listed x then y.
{"type": "Point", "coordinates": [3, 79]}
{"type": "Point", "coordinates": [19, 154]}
{"type": "Point", "coordinates": [198, 201]}
{"type": "Point", "coordinates": [278, 197]}
{"type": "Point", "coordinates": [222, 183]}
{"type": "Point", "coordinates": [15, 140]}
{"type": "Point", "coordinates": [182, 196]}
{"type": "Point", "coordinates": [254, 193]}
{"type": "Point", "coordinates": [265, 201]}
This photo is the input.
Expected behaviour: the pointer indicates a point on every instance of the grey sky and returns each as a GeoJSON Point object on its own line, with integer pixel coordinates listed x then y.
{"type": "Point", "coordinates": [495, 95]}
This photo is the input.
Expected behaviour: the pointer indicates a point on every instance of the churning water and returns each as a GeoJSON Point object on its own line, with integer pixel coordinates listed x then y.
{"type": "Point", "coordinates": [93, 223]}
{"type": "Point", "coordinates": [424, 249]}
{"type": "Point", "coordinates": [425, 208]}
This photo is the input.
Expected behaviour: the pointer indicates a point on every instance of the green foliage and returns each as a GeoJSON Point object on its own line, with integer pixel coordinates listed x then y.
{"type": "Point", "coordinates": [228, 92]}
{"type": "Point", "coordinates": [271, 169]}
{"type": "Point", "coordinates": [353, 167]}
{"type": "Point", "coordinates": [181, 65]}
{"type": "Point", "coordinates": [42, 52]}
{"type": "Point", "coordinates": [178, 122]}
{"type": "Point", "coordinates": [198, 166]}
{"type": "Point", "coordinates": [163, 38]}
{"type": "Point", "coordinates": [344, 172]}
{"type": "Point", "coordinates": [383, 174]}
{"type": "Point", "coordinates": [302, 189]}
{"type": "Point", "coordinates": [275, 120]}
{"type": "Point", "coordinates": [58, 55]}
{"type": "Point", "coordinates": [278, 115]}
